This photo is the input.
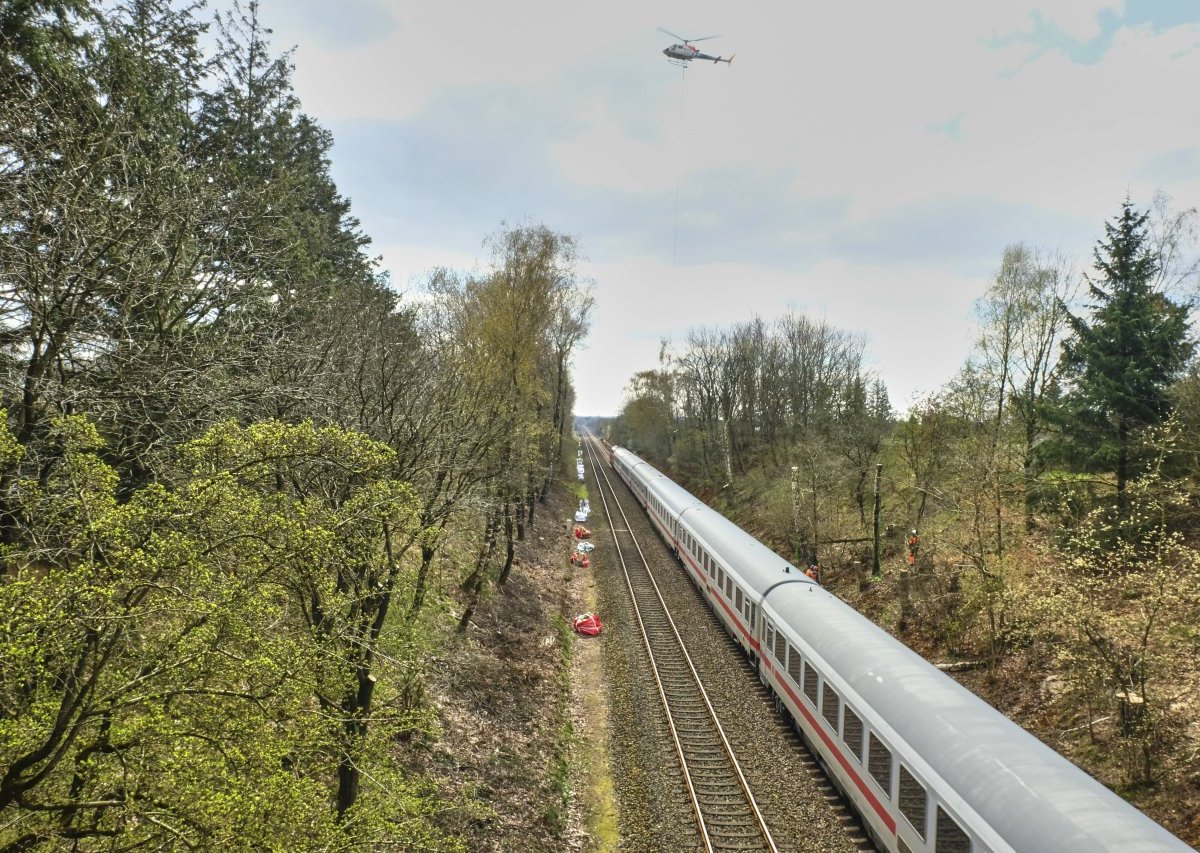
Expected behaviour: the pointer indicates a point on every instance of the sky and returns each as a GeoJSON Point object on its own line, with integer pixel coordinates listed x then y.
{"type": "Point", "coordinates": [862, 163]}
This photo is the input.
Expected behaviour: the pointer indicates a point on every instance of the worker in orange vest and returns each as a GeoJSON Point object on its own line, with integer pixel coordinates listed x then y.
{"type": "Point", "coordinates": [914, 542]}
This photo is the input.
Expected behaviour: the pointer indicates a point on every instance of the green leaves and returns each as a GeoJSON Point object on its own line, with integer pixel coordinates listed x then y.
{"type": "Point", "coordinates": [1120, 363]}
{"type": "Point", "coordinates": [185, 661]}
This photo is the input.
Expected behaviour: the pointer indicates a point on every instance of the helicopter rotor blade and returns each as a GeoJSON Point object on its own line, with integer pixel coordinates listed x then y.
{"type": "Point", "coordinates": [671, 34]}
{"type": "Point", "coordinates": [706, 38]}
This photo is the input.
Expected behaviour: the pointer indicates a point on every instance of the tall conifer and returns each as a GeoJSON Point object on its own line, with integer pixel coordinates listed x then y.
{"type": "Point", "coordinates": [1121, 360]}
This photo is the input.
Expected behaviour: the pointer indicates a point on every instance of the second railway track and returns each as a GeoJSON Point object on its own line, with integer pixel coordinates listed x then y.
{"type": "Point", "coordinates": [727, 816]}
{"type": "Point", "coordinates": [803, 811]}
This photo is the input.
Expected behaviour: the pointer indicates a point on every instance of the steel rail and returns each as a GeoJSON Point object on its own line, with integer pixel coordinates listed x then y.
{"type": "Point", "coordinates": [702, 813]}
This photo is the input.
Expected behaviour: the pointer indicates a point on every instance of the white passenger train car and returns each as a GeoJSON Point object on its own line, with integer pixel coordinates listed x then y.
{"type": "Point", "coordinates": [929, 766]}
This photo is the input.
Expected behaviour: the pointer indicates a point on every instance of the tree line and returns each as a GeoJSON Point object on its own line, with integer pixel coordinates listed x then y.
{"type": "Point", "coordinates": [240, 477]}
{"type": "Point", "coordinates": [1051, 480]}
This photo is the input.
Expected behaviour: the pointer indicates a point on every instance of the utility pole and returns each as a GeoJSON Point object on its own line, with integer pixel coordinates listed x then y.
{"type": "Point", "coordinates": [815, 540]}
{"type": "Point", "coordinates": [877, 567]}
{"type": "Point", "coordinates": [797, 535]}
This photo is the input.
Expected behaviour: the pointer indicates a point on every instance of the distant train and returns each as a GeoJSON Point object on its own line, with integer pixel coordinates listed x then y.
{"type": "Point", "coordinates": [929, 766]}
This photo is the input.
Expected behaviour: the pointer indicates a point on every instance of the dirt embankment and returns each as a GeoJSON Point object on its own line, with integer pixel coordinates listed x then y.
{"type": "Point", "coordinates": [520, 706]}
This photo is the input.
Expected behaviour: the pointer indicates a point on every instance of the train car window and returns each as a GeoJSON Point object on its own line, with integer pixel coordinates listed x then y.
{"type": "Point", "coordinates": [729, 586]}
{"type": "Point", "coordinates": [912, 801]}
{"type": "Point", "coordinates": [737, 599]}
{"type": "Point", "coordinates": [950, 836]}
{"type": "Point", "coordinates": [810, 683]}
{"type": "Point", "coordinates": [793, 664]}
{"type": "Point", "coordinates": [829, 705]}
{"type": "Point", "coordinates": [720, 580]}
{"type": "Point", "coordinates": [852, 732]}
{"type": "Point", "coordinates": [780, 647]}
{"type": "Point", "coordinates": [769, 635]}
{"type": "Point", "coordinates": [753, 615]}
{"type": "Point", "coordinates": [879, 763]}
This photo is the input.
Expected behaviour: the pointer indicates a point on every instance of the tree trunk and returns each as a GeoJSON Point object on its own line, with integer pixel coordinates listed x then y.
{"type": "Point", "coordinates": [1122, 468]}
{"type": "Point", "coordinates": [472, 586]}
{"type": "Point", "coordinates": [1028, 474]}
{"type": "Point", "coordinates": [509, 544]}
{"type": "Point", "coordinates": [860, 574]}
{"type": "Point", "coordinates": [559, 425]}
{"type": "Point", "coordinates": [422, 581]}
{"type": "Point", "coordinates": [876, 557]}
{"type": "Point", "coordinates": [357, 708]}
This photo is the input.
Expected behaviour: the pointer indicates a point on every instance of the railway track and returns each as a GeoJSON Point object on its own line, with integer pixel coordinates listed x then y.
{"type": "Point", "coordinates": [727, 816]}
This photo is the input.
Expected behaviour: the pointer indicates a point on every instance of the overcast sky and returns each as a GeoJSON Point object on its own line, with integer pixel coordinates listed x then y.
{"type": "Point", "coordinates": [865, 163]}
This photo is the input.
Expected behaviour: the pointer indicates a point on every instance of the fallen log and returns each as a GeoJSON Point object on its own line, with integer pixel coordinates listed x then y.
{"type": "Point", "coordinates": [961, 665]}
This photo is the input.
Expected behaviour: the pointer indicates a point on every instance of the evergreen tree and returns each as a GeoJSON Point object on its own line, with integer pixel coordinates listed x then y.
{"type": "Point", "coordinates": [1119, 364]}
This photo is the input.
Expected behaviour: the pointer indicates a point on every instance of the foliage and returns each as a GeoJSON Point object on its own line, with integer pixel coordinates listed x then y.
{"type": "Point", "coordinates": [509, 334]}
{"type": "Point", "coordinates": [157, 684]}
{"type": "Point", "coordinates": [1119, 364]}
{"type": "Point", "coordinates": [200, 646]}
{"type": "Point", "coordinates": [1124, 600]}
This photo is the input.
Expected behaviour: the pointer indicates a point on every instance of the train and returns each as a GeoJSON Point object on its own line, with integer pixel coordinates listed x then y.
{"type": "Point", "coordinates": [928, 766]}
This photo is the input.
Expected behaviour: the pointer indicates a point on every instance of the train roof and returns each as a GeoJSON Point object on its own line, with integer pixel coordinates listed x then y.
{"type": "Point", "coordinates": [637, 464]}
{"type": "Point", "coordinates": [1035, 798]}
{"type": "Point", "coordinates": [756, 564]}
{"type": "Point", "coordinates": [752, 561]}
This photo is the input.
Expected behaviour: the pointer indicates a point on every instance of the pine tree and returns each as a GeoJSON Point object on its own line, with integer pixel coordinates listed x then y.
{"type": "Point", "coordinates": [1119, 363]}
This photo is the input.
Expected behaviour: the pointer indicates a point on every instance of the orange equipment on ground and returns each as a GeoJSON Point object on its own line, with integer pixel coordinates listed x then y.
{"type": "Point", "coordinates": [582, 532]}
{"type": "Point", "coordinates": [587, 624]}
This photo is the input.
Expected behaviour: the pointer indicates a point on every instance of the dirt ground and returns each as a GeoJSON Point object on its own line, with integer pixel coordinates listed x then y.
{"type": "Point", "coordinates": [521, 751]}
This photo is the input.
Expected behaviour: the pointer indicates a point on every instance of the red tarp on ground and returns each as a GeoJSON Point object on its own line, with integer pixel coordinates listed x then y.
{"type": "Point", "coordinates": [588, 624]}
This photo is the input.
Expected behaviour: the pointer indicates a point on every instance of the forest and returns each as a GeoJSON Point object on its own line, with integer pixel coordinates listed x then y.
{"type": "Point", "coordinates": [243, 480]}
{"type": "Point", "coordinates": [247, 485]}
{"type": "Point", "coordinates": [1035, 519]}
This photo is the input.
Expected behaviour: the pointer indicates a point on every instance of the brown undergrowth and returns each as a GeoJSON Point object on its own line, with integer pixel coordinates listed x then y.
{"type": "Point", "coordinates": [520, 753]}
{"type": "Point", "coordinates": [1026, 684]}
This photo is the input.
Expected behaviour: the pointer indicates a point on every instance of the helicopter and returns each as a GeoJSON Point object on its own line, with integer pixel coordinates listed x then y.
{"type": "Point", "coordinates": [683, 53]}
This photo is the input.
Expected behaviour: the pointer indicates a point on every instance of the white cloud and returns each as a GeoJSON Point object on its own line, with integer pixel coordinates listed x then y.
{"type": "Point", "coordinates": [410, 265]}
{"type": "Point", "coordinates": [812, 168]}
{"type": "Point", "coordinates": [1079, 19]}
{"type": "Point", "coordinates": [605, 154]}
{"type": "Point", "coordinates": [917, 321]}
